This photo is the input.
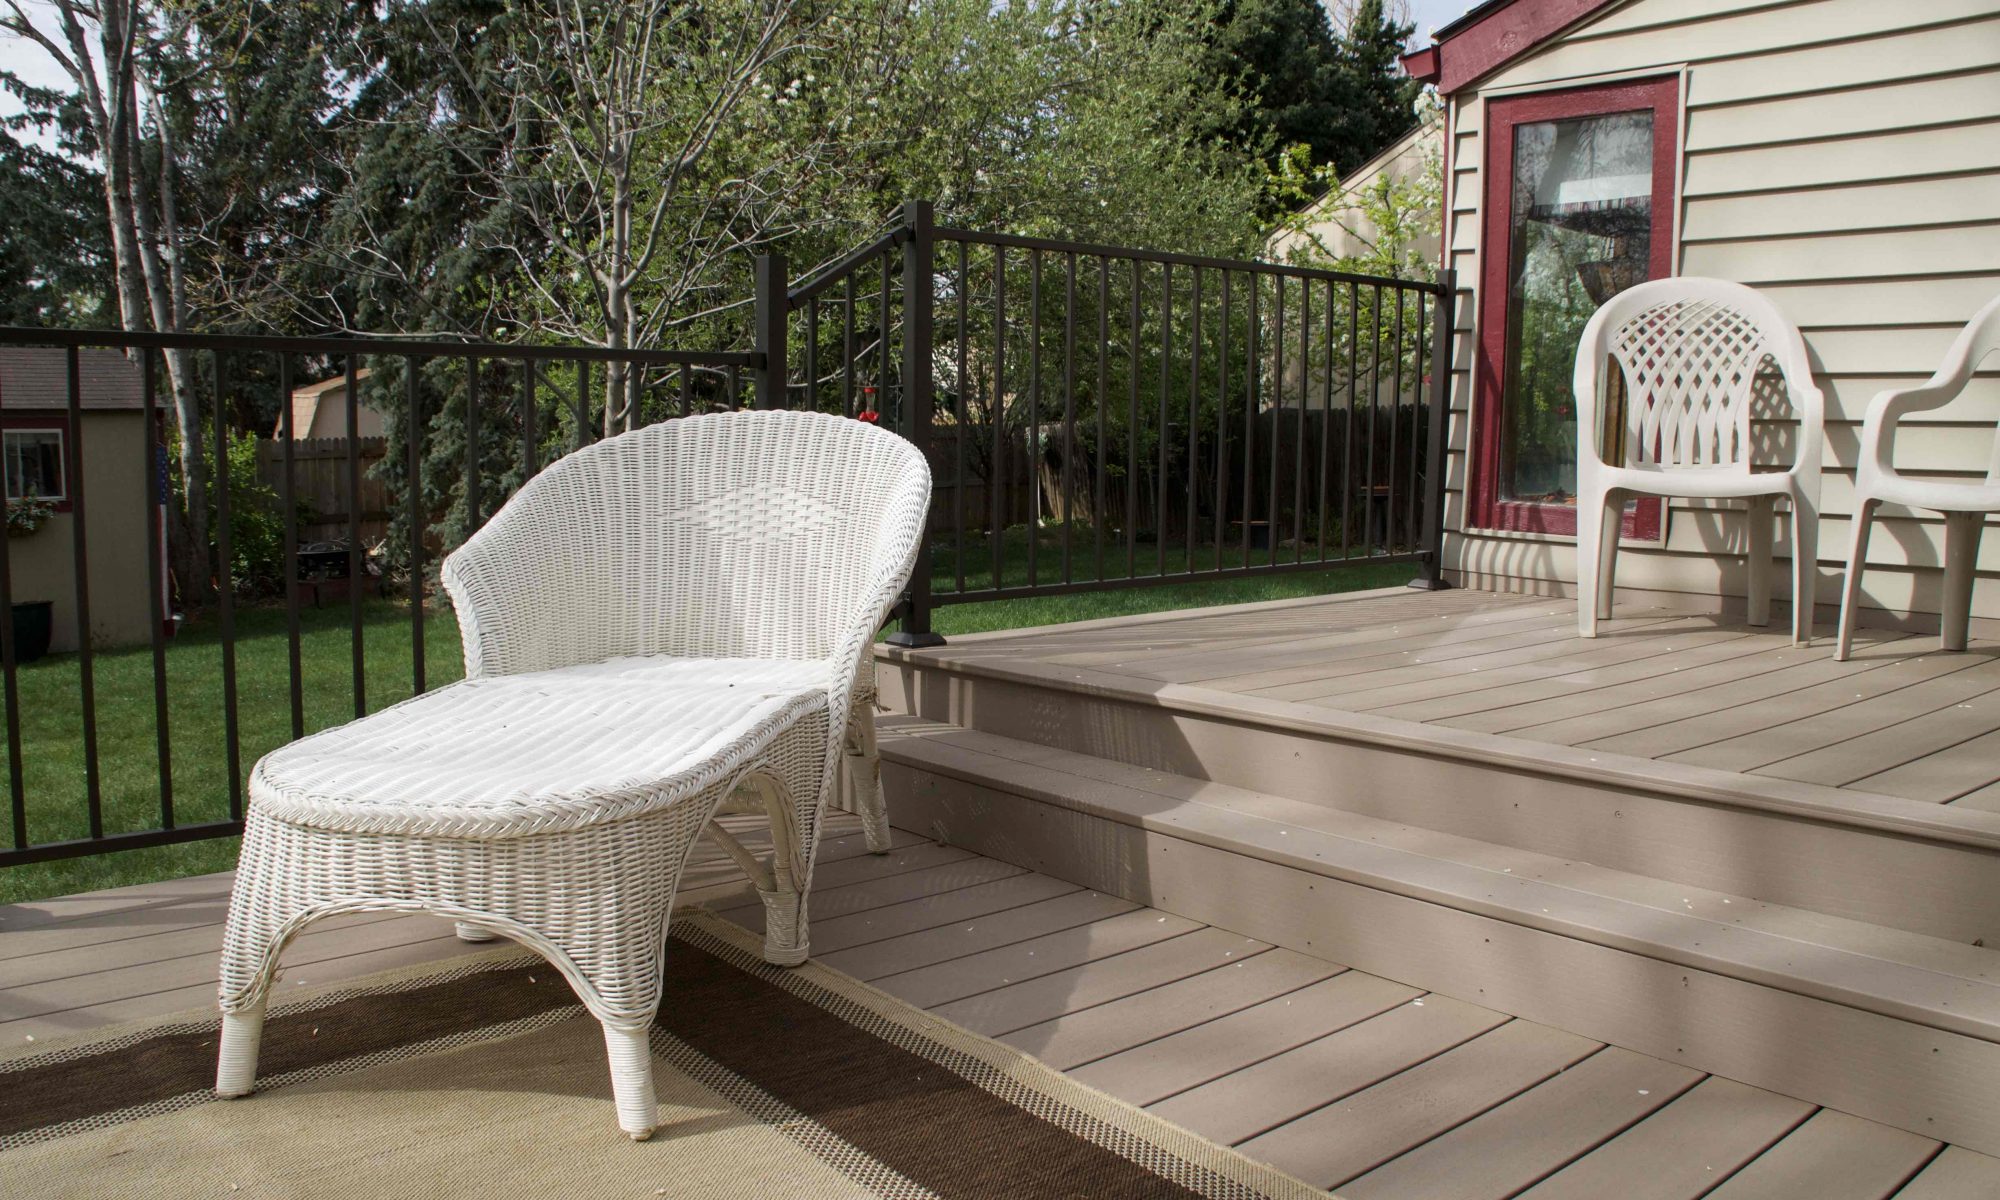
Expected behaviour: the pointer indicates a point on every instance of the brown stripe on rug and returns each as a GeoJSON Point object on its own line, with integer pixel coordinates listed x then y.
{"type": "Point", "coordinates": [806, 1081]}
{"type": "Point", "coordinates": [928, 1123]}
{"type": "Point", "coordinates": [178, 1060]}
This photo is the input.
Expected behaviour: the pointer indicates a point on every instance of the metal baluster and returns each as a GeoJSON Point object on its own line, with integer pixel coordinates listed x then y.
{"type": "Point", "coordinates": [1299, 428]}
{"type": "Point", "coordinates": [16, 790]}
{"type": "Point", "coordinates": [1069, 406]}
{"type": "Point", "coordinates": [1351, 423]}
{"type": "Point", "coordinates": [1194, 408]}
{"type": "Point", "coordinates": [1252, 363]}
{"type": "Point", "coordinates": [354, 559]}
{"type": "Point", "coordinates": [1034, 415]}
{"type": "Point", "coordinates": [1374, 409]}
{"type": "Point", "coordinates": [1395, 432]}
{"type": "Point", "coordinates": [80, 561]}
{"type": "Point", "coordinates": [1103, 398]}
{"type": "Point", "coordinates": [287, 497]}
{"type": "Point", "coordinates": [232, 748]}
{"type": "Point", "coordinates": [1222, 433]}
{"type": "Point", "coordinates": [1166, 366]}
{"type": "Point", "coordinates": [413, 490]}
{"type": "Point", "coordinates": [155, 511]}
{"type": "Point", "coordinates": [994, 485]}
{"type": "Point", "coordinates": [961, 428]}
{"type": "Point", "coordinates": [1326, 420]}
{"type": "Point", "coordinates": [1132, 436]}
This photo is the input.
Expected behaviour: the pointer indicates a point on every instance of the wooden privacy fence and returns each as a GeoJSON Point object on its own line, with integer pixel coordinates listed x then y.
{"type": "Point", "coordinates": [319, 480]}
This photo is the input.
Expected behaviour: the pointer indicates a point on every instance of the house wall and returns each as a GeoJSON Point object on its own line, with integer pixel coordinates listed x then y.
{"type": "Point", "coordinates": [329, 419]}
{"type": "Point", "coordinates": [1336, 221]}
{"type": "Point", "coordinates": [1843, 156]}
{"type": "Point", "coordinates": [41, 564]}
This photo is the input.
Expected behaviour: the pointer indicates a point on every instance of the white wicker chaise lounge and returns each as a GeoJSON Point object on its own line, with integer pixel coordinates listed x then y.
{"type": "Point", "coordinates": [652, 625]}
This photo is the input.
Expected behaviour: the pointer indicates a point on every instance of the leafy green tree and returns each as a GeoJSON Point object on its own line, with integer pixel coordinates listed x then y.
{"type": "Point", "coordinates": [1284, 77]}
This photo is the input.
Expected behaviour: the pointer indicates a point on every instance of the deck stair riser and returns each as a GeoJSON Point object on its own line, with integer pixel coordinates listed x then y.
{"type": "Point", "coordinates": [1883, 860]}
{"type": "Point", "coordinates": [1897, 1027]}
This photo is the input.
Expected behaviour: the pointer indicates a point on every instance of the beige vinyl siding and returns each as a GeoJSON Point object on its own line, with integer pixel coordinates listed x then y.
{"type": "Point", "coordinates": [1844, 157]}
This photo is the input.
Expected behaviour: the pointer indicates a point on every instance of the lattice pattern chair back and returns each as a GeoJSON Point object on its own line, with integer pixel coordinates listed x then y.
{"type": "Point", "coordinates": [1689, 367]}
{"type": "Point", "coordinates": [1690, 353]}
{"type": "Point", "coordinates": [1693, 356]}
{"type": "Point", "coordinates": [765, 534]}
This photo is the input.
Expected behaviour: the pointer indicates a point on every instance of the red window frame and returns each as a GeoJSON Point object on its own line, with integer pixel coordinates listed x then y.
{"type": "Point", "coordinates": [1662, 96]}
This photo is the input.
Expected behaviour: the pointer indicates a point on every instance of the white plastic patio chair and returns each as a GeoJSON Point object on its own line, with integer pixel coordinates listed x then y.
{"type": "Point", "coordinates": [651, 625]}
{"type": "Point", "coordinates": [1690, 351]}
{"type": "Point", "coordinates": [1964, 505]}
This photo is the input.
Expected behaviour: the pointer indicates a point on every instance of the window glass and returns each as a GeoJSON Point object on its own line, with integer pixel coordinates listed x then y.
{"type": "Point", "coordinates": [34, 463]}
{"type": "Point", "coordinates": [1581, 232]}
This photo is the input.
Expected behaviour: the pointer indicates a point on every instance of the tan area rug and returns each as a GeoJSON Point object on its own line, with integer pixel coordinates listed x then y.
{"type": "Point", "coordinates": [484, 1077]}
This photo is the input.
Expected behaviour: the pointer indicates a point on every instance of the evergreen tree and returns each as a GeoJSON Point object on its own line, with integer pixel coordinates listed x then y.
{"type": "Point", "coordinates": [1286, 77]}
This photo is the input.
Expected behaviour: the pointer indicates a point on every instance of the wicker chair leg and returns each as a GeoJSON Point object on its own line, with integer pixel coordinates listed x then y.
{"type": "Point", "coordinates": [632, 1081]}
{"type": "Point", "coordinates": [864, 778]}
{"type": "Point", "coordinates": [785, 940]}
{"type": "Point", "coordinates": [236, 1063]}
{"type": "Point", "coordinates": [468, 932]}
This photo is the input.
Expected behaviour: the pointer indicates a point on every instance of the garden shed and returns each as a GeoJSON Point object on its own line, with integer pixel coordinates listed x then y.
{"type": "Point", "coordinates": [1842, 157]}
{"type": "Point", "coordinates": [46, 446]}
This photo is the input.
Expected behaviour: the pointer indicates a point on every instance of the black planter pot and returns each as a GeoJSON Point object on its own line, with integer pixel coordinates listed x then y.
{"type": "Point", "coordinates": [31, 629]}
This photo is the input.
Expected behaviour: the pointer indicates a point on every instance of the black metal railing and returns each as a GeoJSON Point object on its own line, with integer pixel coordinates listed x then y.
{"type": "Point", "coordinates": [516, 408]}
{"type": "Point", "coordinates": [1104, 417]}
{"type": "Point", "coordinates": [1096, 417]}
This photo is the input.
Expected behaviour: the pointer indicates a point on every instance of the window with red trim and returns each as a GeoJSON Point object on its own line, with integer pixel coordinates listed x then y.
{"type": "Point", "coordinates": [1579, 206]}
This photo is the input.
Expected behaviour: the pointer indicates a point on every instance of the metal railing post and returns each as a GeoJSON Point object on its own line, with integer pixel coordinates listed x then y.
{"type": "Point", "coordinates": [919, 297]}
{"type": "Point", "coordinates": [773, 312]}
{"type": "Point", "coordinates": [1436, 464]}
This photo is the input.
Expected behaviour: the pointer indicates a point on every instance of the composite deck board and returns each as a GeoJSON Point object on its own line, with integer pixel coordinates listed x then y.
{"type": "Point", "coordinates": [1576, 689]}
{"type": "Point", "coordinates": [1792, 669]}
{"type": "Point", "coordinates": [965, 937]}
{"type": "Point", "coordinates": [1344, 1074]}
{"type": "Point", "coordinates": [1512, 1146]}
{"type": "Point", "coordinates": [1957, 1174]}
{"type": "Point", "coordinates": [1857, 758]}
{"type": "Point", "coordinates": [1152, 1071]}
{"type": "Point", "coordinates": [1658, 684]}
{"type": "Point", "coordinates": [1304, 665]}
{"type": "Point", "coordinates": [1016, 1006]}
{"type": "Point", "coordinates": [1355, 1135]}
{"type": "Point", "coordinates": [1831, 1157]}
{"type": "Point", "coordinates": [1681, 1151]}
{"type": "Point", "coordinates": [1697, 672]}
{"type": "Point", "coordinates": [960, 909]}
{"type": "Point", "coordinates": [1790, 725]}
{"type": "Point", "coordinates": [1942, 775]}
{"type": "Point", "coordinates": [1363, 667]}
{"type": "Point", "coordinates": [1560, 660]}
{"type": "Point", "coordinates": [1073, 1039]}
{"type": "Point", "coordinates": [957, 978]}
{"type": "Point", "coordinates": [1288, 1086]}
{"type": "Point", "coordinates": [1385, 647]}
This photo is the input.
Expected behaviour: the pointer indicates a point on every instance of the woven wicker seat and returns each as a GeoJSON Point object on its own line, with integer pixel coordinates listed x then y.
{"type": "Point", "coordinates": [667, 623]}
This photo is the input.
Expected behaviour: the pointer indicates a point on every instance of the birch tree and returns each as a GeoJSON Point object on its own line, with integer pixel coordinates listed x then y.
{"type": "Point", "coordinates": [109, 49]}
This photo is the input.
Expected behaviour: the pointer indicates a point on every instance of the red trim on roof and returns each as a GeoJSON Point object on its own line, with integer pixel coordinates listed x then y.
{"type": "Point", "coordinates": [1485, 42]}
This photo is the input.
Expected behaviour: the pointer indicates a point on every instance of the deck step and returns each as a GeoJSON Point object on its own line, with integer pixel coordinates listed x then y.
{"type": "Point", "coordinates": [1876, 859]}
{"type": "Point", "coordinates": [1901, 1027]}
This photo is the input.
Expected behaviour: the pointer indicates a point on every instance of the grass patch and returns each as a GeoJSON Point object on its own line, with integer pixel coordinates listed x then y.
{"type": "Point", "coordinates": [51, 710]}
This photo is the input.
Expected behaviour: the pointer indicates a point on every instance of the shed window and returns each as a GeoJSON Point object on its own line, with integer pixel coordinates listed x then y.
{"type": "Point", "coordinates": [34, 464]}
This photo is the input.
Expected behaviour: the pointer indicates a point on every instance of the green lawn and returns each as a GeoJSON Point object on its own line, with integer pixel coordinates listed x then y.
{"type": "Point", "coordinates": [51, 721]}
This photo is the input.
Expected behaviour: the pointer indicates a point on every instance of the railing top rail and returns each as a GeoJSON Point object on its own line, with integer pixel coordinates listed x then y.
{"type": "Point", "coordinates": [1093, 250]}
{"type": "Point", "coordinates": [824, 278]}
{"type": "Point", "coordinates": [118, 339]}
